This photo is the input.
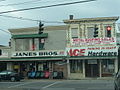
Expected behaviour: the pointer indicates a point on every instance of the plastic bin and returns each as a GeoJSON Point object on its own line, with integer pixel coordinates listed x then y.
{"type": "Point", "coordinates": [31, 74]}
{"type": "Point", "coordinates": [42, 74]}
{"type": "Point", "coordinates": [37, 75]}
{"type": "Point", "coordinates": [55, 75]}
{"type": "Point", "coordinates": [60, 75]}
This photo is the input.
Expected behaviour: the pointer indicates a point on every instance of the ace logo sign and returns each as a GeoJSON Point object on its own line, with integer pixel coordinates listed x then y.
{"type": "Point", "coordinates": [76, 52]}
{"type": "Point", "coordinates": [93, 51]}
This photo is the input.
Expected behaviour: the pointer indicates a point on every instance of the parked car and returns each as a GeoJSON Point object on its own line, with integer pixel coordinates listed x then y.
{"type": "Point", "coordinates": [10, 75]}
{"type": "Point", "coordinates": [117, 81]}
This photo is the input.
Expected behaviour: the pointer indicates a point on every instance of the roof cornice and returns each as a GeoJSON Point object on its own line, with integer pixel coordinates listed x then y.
{"type": "Point", "coordinates": [92, 19]}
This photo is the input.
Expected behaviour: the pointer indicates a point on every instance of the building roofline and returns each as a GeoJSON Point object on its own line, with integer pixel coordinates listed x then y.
{"type": "Point", "coordinates": [46, 28]}
{"type": "Point", "coordinates": [92, 19]}
{"type": "Point", "coordinates": [4, 47]}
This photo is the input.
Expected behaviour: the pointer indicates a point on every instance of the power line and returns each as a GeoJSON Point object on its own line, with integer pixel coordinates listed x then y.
{"type": "Point", "coordinates": [5, 31]}
{"type": "Point", "coordinates": [54, 5]}
{"type": "Point", "coordinates": [28, 19]}
{"type": "Point", "coordinates": [13, 4]}
{"type": "Point", "coordinates": [28, 2]}
{"type": "Point", "coordinates": [21, 18]}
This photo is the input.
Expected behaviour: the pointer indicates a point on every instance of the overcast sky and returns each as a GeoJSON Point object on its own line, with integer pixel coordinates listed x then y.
{"type": "Point", "coordinates": [98, 8]}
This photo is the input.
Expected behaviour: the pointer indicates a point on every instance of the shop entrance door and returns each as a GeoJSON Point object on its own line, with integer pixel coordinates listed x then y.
{"type": "Point", "coordinates": [92, 68]}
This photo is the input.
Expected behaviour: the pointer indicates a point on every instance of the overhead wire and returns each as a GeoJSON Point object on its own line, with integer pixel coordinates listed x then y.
{"type": "Point", "coordinates": [48, 6]}
{"type": "Point", "coordinates": [28, 19]}
{"type": "Point", "coordinates": [21, 18]}
{"type": "Point", "coordinates": [32, 1]}
{"type": "Point", "coordinates": [5, 31]}
{"type": "Point", "coordinates": [21, 3]}
{"type": "Point", "coordinates": [35, 20]}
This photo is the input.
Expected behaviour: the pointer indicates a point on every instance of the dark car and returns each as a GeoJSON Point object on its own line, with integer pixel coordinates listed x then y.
{"type": "Point", "coordinates": [117, 81]}
{"type": "Point", "coordinates": [10, 75]}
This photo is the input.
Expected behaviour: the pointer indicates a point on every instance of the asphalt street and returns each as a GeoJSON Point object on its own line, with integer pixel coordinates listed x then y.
{"type": "Point", "coordinates": [58, 85]}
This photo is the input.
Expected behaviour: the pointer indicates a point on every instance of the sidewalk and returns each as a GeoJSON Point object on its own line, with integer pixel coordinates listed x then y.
{"type": "Point", "coordinates": [103, 78]}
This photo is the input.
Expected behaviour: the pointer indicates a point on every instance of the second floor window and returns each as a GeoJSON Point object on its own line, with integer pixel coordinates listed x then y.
{"type": "Point", "coordinates": [90, 32]}
{"type": "Point", "coordinates": [29, 44]}
{"type": "Point", "coordinates": [74, 32]}
{"type": "Point", "coordinates": [108, 31]}
{"type": "Point", "coordinates": [22, 44]}
{"type": "Point", "coordinates": [41, 43]}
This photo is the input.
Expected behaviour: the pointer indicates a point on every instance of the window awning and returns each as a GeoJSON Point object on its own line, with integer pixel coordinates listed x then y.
{"type": "Point", "coordinates": [43, 35]}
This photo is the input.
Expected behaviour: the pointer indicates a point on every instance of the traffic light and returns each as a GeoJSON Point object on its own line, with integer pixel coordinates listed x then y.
{"type": "Point", "coordinates": [108, 28]}
{"type": "Point", "coordinates": [95, 31]}
{"type": "Point", "coordinates": [41, 28]}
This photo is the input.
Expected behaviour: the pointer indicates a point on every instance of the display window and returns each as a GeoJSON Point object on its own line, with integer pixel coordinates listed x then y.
{"type": "Point", "coordinates": [108, 67]}
{"type": "Point", "coordinates": [76, 66]}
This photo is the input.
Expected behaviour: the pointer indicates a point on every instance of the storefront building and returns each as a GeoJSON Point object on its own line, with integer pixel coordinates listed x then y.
{"type": "Point", "coordinates": [4, 55]}
{"type": "Point", "coordinates": [83, 48]}
{"type": "Point", "coordinates": [31, 51]}
{"type": "Point", "coordinates": [91, 47]}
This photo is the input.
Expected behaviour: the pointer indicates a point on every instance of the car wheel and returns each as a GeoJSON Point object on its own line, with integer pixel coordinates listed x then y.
{"type": "Point", "coordinates": [13, 79]}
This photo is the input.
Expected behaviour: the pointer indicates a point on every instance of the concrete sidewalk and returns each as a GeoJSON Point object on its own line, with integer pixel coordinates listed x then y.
{"type": "Point", "coordinates": [103, 78]}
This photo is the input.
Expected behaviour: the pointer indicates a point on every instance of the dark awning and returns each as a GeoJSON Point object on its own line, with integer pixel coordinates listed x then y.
{"type": "Point", "coordinates": [43, 35]}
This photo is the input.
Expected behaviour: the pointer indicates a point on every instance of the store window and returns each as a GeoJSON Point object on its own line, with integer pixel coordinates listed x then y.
{"type": "Point", "coordinates": [76, 66]}
{"type": "Point", "coordinates": [107, 67]}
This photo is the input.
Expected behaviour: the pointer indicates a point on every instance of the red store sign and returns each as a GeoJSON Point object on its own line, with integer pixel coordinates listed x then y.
{"type": "Point", "coordinates": [93, 41]}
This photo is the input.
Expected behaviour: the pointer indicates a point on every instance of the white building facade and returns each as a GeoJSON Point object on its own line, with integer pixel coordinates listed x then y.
{"type": "Point", "coordinates": [91, 47]}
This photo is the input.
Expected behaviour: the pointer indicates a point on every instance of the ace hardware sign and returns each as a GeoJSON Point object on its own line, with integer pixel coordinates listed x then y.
{"type": "Point", "coordinates": [93, 51]}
